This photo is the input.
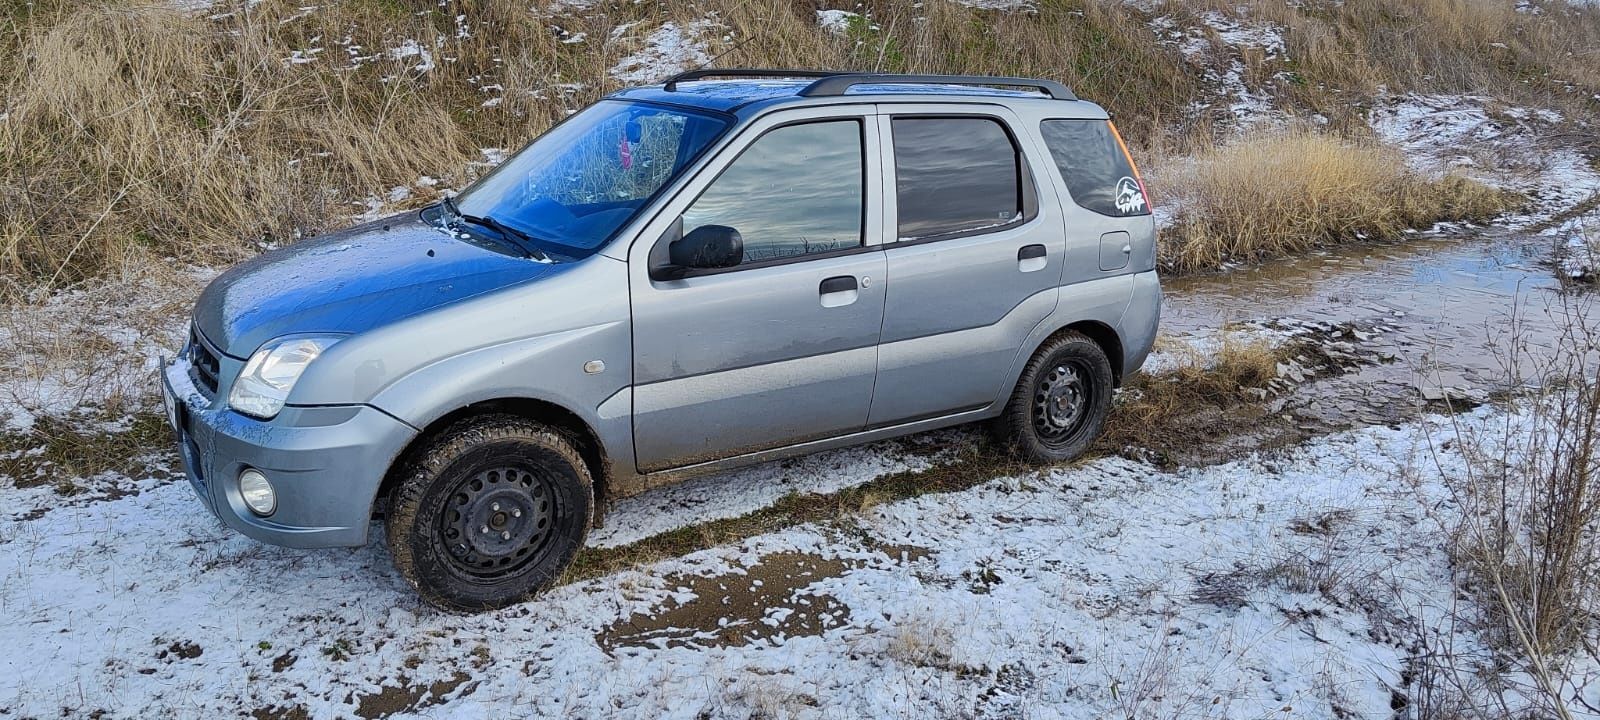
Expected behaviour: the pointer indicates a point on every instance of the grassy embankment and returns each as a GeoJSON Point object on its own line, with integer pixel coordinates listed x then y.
{"type": "Point", "coordinates": [135, 132]}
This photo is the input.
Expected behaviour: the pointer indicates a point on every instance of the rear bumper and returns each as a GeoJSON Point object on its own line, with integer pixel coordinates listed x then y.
{"type": "Point", "coordinates": [1140, 322]}
{"type": "Point", "coordinates": [325, 463]}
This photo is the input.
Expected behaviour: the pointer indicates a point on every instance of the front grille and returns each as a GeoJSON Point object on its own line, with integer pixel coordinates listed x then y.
{"type": "Point", "coordinates": [203, 363]}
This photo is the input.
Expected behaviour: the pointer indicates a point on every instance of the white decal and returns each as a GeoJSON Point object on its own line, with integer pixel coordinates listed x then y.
{"type": "Point", "coordinates": [1130, 197]}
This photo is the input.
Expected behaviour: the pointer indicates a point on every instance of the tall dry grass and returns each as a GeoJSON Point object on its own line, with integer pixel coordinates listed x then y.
{"type": "Point", "coordinates": [1285, 194]}
{"type": "Point", "coordinates": [135, 130]}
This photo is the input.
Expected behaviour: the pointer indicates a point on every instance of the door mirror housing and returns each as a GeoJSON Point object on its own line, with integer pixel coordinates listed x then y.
{"type": "Point", "coordinates": [705, 247]}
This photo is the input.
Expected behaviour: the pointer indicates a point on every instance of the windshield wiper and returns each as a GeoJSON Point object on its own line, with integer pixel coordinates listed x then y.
{"type": "Point", "coordinates": [520, 239]}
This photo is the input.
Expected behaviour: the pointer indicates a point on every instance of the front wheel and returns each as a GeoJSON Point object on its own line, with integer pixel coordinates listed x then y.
{"type": "Point", "coordinates": [1060, 403]}
{"type": "Point", "coordinates": [489, 512]}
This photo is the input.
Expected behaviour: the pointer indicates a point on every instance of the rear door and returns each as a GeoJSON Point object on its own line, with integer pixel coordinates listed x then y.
{"type": "Point", "coordinates": [973, 257]}
{"type": "Point", "coordinates": [780, 349]}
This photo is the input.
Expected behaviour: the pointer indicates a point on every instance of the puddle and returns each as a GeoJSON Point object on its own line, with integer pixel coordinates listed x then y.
{"type": "Point", "coordinates": [1439, 308]}
{"type": "Point", "coordinates": [766, 602]}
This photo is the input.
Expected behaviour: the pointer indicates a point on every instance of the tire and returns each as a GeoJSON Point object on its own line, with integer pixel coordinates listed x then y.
{"type": "Point", "coordinates": [489, 512]}
{"type": "Point", "coordinates": [1059, 406]}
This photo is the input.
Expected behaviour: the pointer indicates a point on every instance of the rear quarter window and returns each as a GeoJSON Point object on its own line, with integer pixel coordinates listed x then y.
{"type": "Point", "coordinates": [1097, 172]}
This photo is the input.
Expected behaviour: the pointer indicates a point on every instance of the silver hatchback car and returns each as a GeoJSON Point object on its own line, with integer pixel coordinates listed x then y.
{"type": "Point", "coordinates": [678, 279]}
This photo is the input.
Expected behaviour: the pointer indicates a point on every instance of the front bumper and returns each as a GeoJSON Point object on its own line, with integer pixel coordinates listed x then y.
{"type": "Point", "coordinates": [325, 463]}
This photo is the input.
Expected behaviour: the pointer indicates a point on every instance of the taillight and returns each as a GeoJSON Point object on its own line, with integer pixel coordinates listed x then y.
{"type": "Point", "coordinates": [1143, 191]}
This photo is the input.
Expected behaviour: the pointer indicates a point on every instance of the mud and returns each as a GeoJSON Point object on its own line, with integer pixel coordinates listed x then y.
{"type": "Point", "coordinates": [771, 600]}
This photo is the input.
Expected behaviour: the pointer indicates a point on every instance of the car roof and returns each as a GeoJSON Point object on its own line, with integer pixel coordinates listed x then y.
{"type": "Point", "coordinates": [737, 95]}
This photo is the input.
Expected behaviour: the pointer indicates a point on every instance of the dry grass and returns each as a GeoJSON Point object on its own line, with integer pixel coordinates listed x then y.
{"type": "Point", "coordinates": [1548, 58]}
{"type": "Point", "coordinates": [1286, 194]}
{"type": "Point", "coordinates": [135, 130]}
{"type": "Point", "coordinates": [1198, 382]}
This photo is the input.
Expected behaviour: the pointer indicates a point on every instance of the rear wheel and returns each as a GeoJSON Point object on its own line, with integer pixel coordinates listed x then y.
{"type": "Point", "coordinates": [1060, 403]}
{"type": "Point", "coordinates": [489, 512]}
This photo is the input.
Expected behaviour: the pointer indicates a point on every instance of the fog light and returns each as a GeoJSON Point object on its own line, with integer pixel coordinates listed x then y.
{"type": "Point", "coordinates": [257, 492]}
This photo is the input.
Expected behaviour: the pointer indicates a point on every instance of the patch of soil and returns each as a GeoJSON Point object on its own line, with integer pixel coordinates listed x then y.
{"type": "Point", "coordinates": [275, 712]}
{"type": "Point", "coordinates": [408, 697]}
{"type": "Point", "coordinates": [181, 650]}
{"type": "Point", "coordinates": [768, 601]}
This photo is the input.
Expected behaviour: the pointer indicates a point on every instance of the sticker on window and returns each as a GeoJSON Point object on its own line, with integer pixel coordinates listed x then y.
{"type": "Point", "coordinates": [1130, 198]}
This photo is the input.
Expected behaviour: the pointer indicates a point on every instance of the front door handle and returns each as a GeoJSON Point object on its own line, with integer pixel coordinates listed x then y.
{"type": "Point", "coordinates": [1031, 258]}
{"type": "Point", "coordinates": [838, 291]}
{"type": "Point", "coordinates": [839, 283]}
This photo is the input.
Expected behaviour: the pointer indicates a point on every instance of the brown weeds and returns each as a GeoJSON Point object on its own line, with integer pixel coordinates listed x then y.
{"type": "Point", "coordinates": [1285, 194]}
{"type": "Point", "coordinates": [134, 129]}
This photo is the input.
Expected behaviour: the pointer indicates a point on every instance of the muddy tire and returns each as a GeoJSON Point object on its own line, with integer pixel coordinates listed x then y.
{"type": "Point", "coordinates": [489, 512]}
{"type": "Point", "coordinates": [1059, 406]}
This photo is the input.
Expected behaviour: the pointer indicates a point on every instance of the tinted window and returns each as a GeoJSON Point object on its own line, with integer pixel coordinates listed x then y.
{"type": "Point", "coordinates": [797, 190]}
{"type": "Point", "coordinates": [1097, 172]}
{"type": "Point", "coordinates": [576, 184]}
{"type": "Point", "coordinates": [954, 174]}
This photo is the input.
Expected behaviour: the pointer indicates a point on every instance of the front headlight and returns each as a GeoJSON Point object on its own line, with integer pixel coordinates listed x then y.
{"type": "Point", "coordinates": [271, 373]}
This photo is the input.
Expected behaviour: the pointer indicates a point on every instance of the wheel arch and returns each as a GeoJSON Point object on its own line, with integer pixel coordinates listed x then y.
{"type": "Point", "coordinates": [541, 411]}
{"type": "Point", "coordinates": [1103, 335]}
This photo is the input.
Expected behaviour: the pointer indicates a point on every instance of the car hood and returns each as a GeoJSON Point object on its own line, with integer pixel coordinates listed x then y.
{"type": "Point", "coordinates": [350, 281]}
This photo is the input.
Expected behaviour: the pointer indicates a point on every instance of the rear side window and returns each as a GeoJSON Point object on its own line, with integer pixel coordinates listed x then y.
{"type": "Point", "coordinates": [796, 190]}
{"type": "Point", "coordinates": [1097, 172]}
{"type": "Point", "coordinates": [954, 175]}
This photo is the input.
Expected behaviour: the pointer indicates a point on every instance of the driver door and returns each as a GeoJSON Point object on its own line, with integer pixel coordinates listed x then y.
{"type": "Point", "coordinates": [782, 347]}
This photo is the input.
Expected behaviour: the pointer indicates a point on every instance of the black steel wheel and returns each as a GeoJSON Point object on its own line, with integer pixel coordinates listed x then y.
{"type": "Point", "coordinates": [498, 520]}
{"type": "Point", "coordinates": [489, 512]}
{"type": "Point", "coordinates": [1060, 403]}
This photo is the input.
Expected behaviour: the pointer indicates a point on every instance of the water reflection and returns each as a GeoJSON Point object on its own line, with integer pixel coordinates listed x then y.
{"type": "Point", "coordinates": [953, 174]}
{"type": "Point", "coordinates": [1449, 303]}
{"type": "Point", "coordinates": [796, 190]}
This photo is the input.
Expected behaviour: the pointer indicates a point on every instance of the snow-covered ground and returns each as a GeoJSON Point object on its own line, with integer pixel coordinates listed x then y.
{"type": "Point", "coordinates": [1302, 584]}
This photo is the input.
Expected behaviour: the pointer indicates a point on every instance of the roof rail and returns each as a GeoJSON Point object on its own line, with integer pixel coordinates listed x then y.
{"type": "Point", "coordinates": [838, 83]}
{"type": "Point", "coordinates": [672, 82]}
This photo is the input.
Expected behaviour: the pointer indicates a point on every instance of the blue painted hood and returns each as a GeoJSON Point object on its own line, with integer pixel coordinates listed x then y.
{"type": "Point", "coordinates": [350, 281]}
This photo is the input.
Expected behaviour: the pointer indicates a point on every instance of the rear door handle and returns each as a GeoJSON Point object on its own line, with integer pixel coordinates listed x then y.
{"type": "Point", "coordinates": [838, 291]}
{"type": "Point", "coordinates": [1031, 258]}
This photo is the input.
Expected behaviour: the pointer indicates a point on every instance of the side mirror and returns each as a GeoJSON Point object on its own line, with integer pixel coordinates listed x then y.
{"type": "Point", "coordinates": [707, 246]}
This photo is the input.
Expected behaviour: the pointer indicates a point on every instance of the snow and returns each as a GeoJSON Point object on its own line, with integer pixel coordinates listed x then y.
{"type": "Point", "coordinates": [1006, 5]}
{"type": "Point", "coordinates": [734, 494]}
{"type": "Point", "coordinates": [1288, 581]}
{"type": "Point", "coordinates": [667, 50]}
{"type": "Point", "coordinates": [1224, 69]}
{"type": "Point", "coordinates": [835, 21]}
{"type": "Point", "coordinates": [92, 350]}
{"type": "Point", "coordinates": [1500, 146]}
{"type": "Point", "coordinates": [411, 48]}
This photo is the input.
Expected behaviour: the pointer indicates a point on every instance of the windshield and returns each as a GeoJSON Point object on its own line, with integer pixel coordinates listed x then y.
{"type": "Point", "coordinates": [573, 187]}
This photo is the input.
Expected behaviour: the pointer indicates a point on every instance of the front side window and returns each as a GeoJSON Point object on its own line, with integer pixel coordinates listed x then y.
{"type": "Point", "coordinates": [573, 187]}
{"type": "Point", "coordinates": [954, 175]}
{"type": "Point", "coordinates": [1098, 172]}
{"type": "Point", "coordinates": [796, 190]}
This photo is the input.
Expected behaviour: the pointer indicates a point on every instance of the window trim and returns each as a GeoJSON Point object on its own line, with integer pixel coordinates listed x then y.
{"type": "Point", "coordinates": [658, 250]}
{"type": "Point", "coordinates": [1027, 183]}
{"type": "Point", "coordinates": [1066, 183]}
